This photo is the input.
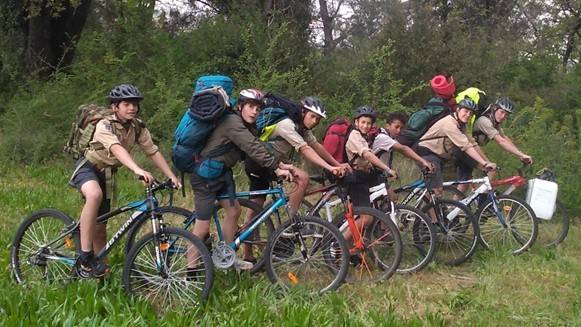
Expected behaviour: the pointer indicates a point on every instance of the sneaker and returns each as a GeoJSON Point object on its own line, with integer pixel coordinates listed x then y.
{"type": "Point", "coordinates": [93, 268]}
{"type": "Point", "coordinates": [240, 264]}
{"type": "Point", "coordinates": [335, 250]}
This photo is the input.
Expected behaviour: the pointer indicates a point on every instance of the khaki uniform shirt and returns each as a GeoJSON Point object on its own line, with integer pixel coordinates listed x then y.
{"type": "Point", "coordinates": [445, 136]}
{"type": "Point", "coordinates": [110, 131]}
{"type": "Point", "coordinates": [286, 138]}
{"type": "Point", "coordinates": [355, 147]}
{"type": "Point", "coordinates": [484, 130]}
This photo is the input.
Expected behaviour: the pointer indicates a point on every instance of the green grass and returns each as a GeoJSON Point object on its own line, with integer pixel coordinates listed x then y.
{"type": "Point", "coordinates": [539, 288]}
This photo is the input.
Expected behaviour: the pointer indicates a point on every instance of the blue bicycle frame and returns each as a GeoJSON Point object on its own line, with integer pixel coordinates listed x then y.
{"type": "Point", "coordinates": [280, 200]}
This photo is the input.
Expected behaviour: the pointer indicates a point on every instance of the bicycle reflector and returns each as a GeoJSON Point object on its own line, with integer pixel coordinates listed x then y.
{"type": "Point", "coordinates": [293, 278]}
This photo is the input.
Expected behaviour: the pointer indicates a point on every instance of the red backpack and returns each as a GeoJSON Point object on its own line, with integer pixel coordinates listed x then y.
{"type": "Point", "coordinates": [336, 137]}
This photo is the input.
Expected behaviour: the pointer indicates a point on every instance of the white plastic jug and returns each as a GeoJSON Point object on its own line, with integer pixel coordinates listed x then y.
{"type": "Point", "coordinates": [542, 197]}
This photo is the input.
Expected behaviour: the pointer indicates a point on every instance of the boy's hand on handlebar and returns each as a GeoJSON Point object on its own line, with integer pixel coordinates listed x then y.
{"type": "Point", "coordinates": [337, 171]}
{"type": "Point", "coordinates": [346, 168]}
{"type": "Point", "coordinates": [177, 183]}
{"type": "Point", "coordinates": [146, 176]}
{"type": "Point", "coordinates": [391, 173]}
{"type": "Point", "coordinates": [526, 159]}
{"type": "Point", "coordinates": [285, 174]}
{"type": "Point", "coordinates": [428, 167]}
{"type": "Point", "coordinates": [489, 166]}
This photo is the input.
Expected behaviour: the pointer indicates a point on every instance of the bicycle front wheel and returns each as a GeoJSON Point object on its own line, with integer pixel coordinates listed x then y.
{"type": "Point", "coordinates": [172, 217]}
{"type": "Point", "coordinates": [456, 230]}
{"type": "Point", "coordinates": [382, 252]}
{"type": "Point", "coordinates": [44, 249]}
{"type": "Point", "coordinates": [554, 231]}
{"type": "Point", "coordinates": [310, 253]}
{"type": "Point", "coordinates": [182, 276]}
{"type": "Point", "coordinates": [418, 237]}
{"type": "Point", "coordinates": [507, 223]}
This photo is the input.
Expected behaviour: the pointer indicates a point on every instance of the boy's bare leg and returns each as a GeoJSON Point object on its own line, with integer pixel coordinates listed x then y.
{"type": "Point", "coordinates": [247, 254]}
{"type": "Point", "coordinates": [93, 196]}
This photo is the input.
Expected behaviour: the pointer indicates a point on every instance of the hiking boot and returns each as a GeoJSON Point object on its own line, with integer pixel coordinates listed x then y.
{"type": "Point", "coordinates": [92, 268]}
{"type": "Point", "coordinates": [240, 264]}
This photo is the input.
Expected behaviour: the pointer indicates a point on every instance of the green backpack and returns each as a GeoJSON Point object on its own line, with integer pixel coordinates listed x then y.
{"type": "Point", "coordinates": [83, 128]}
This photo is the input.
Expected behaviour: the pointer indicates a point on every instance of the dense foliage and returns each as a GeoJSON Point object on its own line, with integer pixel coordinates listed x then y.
{"type": "Point", "coordinates": [381, 55]}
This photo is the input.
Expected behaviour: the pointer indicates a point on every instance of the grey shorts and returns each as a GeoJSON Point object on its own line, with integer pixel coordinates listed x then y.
{"type": "Point", "coordinates": [88, 172]}
{"type": "Point", "coordinates": [206, 192]}
{"type": "Point", "coordinates": [434, 179]}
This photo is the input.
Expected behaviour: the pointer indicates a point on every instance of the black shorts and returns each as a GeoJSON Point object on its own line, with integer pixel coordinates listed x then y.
{"type": "Point", "coordinates": [464, 165]}
{"type": "Point", "coordinates": [358, 184]}
{"type": "Point", "coordinates": [259, 178]}
{"type": "Point", "coordinates": [88, 172]}
{"type": "Point", "coordinates": [206, 192]}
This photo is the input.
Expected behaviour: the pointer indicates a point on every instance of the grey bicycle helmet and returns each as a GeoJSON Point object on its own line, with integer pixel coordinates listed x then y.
{"type": "Point", "coordinates": [467, 103]}
{"type": "Point", "coordinates": [315, 105]}
{"type": "Point", "coordinates": [505, 104]}
{"type": "Point", "coordinates": [124, 92]}
{"type": "Point", "coordinates": [365, 111]}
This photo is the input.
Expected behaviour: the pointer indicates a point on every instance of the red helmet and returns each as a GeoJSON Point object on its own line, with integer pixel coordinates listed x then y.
{"type": "Point", "coordinates": [443, 86]}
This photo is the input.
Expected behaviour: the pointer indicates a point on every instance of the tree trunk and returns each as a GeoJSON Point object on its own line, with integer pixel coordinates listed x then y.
{"type": "Point", "coordinates": [327, 26]}
{"type": "Point", "coordinates": [570, 43]}
{"type": "Point", "coordinates": [50, 40]}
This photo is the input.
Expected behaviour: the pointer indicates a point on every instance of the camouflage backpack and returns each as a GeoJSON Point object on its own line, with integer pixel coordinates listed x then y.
{"type": "Point", "coordinates": [83, 128]}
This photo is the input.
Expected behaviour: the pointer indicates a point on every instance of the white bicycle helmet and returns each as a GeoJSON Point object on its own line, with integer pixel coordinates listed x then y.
{"type": "Point", "coordinates": [315, 105]}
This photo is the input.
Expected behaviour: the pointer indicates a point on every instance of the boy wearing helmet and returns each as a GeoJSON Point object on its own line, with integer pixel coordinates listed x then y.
{"type": "Point", "coordinates": [290, 136]}
{"type": "Point", "coordinates": [487, 128]}
{"type": "Point", "coordinates": [237, 132]}
{"type": "Point", "coordinates": [114, 138]}
{"type": "Point", "coordinates": [448, 134]}
{"type": "Point", "coordinates": [364, 162]}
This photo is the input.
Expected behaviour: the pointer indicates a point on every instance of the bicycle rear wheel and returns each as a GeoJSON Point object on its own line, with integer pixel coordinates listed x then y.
{"type": "Point", "coordinates": [32, 258]}
{"type": "Point", "coordinates": [418, 237]}
{"type": "Point", "coordinates": [516, 230]}
{"type": "Point", "coordinates": [310, 253]}
{"type": "Point", "coordinates": [553, 231]}
{"type": "Point", "coordinates": [183, 277]}
{"type": "Point", "coordinates": [457, 232]}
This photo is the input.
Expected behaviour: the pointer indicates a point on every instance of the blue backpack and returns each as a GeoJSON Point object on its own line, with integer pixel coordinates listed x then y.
{"type": "Point", "coordinates": [210, 104]}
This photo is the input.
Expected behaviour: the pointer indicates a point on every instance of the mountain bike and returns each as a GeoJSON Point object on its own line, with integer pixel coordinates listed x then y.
{"type": "Point", "coordinates": [503, 220]}
{"type": "Point", "coordinates": [376, 250]}
{"type": "Point", "coordinates": [298, 253]}
{"type": "Point", "coordinates": [550, 231]}
{"type": "Point", "coordinates": [46, 248]}
{"type": "Point", "coordinates": [457, 233]}
{"type": "Point", "coordinates": [417, 232]}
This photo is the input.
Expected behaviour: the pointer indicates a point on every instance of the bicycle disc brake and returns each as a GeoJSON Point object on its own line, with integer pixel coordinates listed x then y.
{"type": "Point", "coordinates": [223, 256]}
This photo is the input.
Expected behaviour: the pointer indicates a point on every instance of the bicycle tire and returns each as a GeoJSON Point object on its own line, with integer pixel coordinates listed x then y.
{"type": "Point", "coordinates": [418, 236]}
{"type": "Point", "coordinates": [178, 285]}
{"type": "Point", "coordinates": [325, 245]}
{"type": "Point", "coordinates": [554, 231]}
{"type": "Point", "coordinates": [28, 255]}
{"type": "Point", "coordinates": [457, 237]}
{"type": "Point", "coordinates": [393, 248]}
{"type": "Point", "coordinates": [492, 231]}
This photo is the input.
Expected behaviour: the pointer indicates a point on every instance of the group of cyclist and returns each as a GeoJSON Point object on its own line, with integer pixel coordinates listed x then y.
{"type": "Point", "coordinates": [446, 142]}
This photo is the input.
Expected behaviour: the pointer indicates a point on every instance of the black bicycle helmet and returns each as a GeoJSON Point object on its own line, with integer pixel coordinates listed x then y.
{"type": "Point", "coordinates": [124, 92]}
{"type": "Point", "coordinates": [315, 105]}
{"type": "Point", "coordinates": [505, 104]}
{"type": "Point", "coordinates": [467, 103]}
{"type": "Point", "coordinates": [365, 111]}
